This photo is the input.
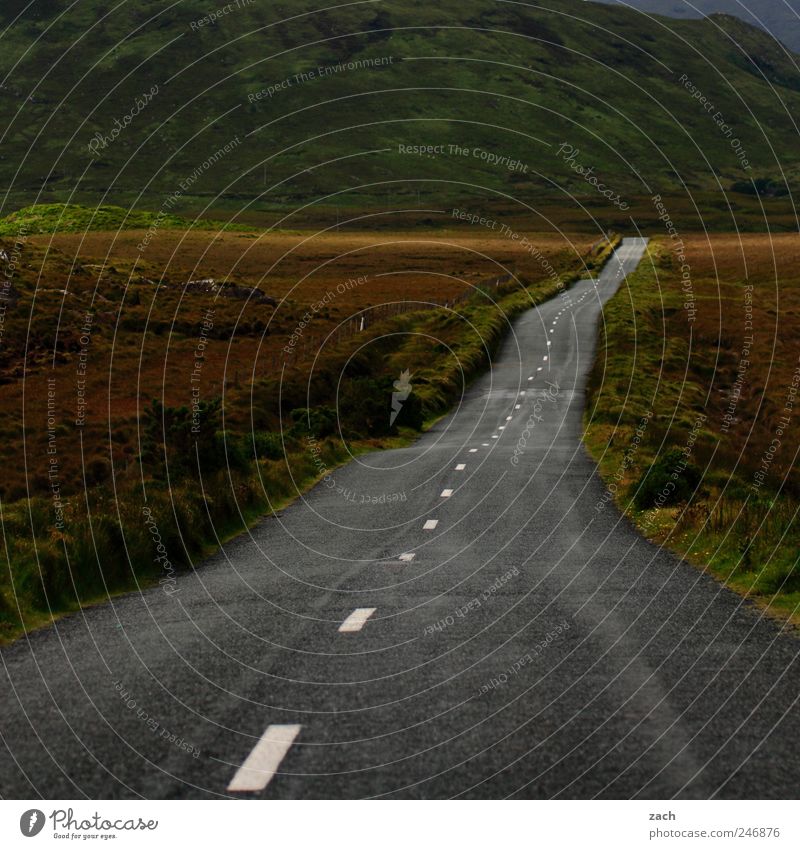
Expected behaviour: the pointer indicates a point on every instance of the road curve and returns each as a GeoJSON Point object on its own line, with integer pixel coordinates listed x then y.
{"type": "Point", "coordinates": [482, 631]}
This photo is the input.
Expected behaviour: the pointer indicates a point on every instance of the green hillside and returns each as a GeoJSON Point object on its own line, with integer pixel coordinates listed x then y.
{"type": "Point", "coordinates": [157, 105]}
{"type": "Point", "coordinates": [782, 19]}
{"type": "Point", "coordinates": [72, 218]}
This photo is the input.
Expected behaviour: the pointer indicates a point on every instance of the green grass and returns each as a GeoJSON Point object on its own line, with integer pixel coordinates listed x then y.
{"type": "Point", "coordinates": [74, 218]}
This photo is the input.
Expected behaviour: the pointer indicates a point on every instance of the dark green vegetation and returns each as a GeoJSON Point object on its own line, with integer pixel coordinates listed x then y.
{"type": "Point", "coordinates": [693, 417]}
{"type": "Point", "coordinates": [670, 480]}
{"type": "Point", "coordinates": [314, 106]}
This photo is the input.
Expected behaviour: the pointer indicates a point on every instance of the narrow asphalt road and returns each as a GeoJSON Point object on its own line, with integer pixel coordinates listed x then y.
{"type": "Point", "coordinates": [482, 631]}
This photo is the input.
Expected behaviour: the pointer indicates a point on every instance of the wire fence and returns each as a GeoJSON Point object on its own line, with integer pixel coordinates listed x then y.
{"type": "Point", "coordinates": [308, 346]}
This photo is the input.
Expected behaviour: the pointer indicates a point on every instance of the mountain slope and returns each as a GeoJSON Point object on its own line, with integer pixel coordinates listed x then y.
{"type": "Point", "coordinates": [780, 18]}
{"type": "Point", "coordinates": [171, 110]}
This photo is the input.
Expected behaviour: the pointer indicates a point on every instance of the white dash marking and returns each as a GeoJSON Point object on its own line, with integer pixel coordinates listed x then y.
{"type": "Point", "coordinates": [518, 406]}
{"type": "Point", "coordinates": [263, 762]}
{"type": "Point", "coordinates": [446, 493]}
{"type": "Point", "coordinates": [460, 467]}
{"type": "Point", "coordinates": [545, 359]}
{"type": "Point", "coordinates": [508, 418]}
{"type": "Point", "coordinates": [356, 620]}
{"type": "Point", "coordinates": [407, 556]}
{"type": "Point", "coordinates": [473, 450]}
{"type": "Point", "coordinates": [539, 369]}
{"type": "Point", "coordinates": [495, 436]}
{"type": "Point", "coordinates": [502, 427]}
{"type": "Point", "coordinates": [531, 377]}
{"type": "Point", "coordinates": [485, 444]}
{"type": "Point", "coordinates": [430, 524]}
{"type": "Point", "coordinates": [549, 342]}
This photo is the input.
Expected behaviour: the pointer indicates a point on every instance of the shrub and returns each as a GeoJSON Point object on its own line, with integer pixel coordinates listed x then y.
{"type": "Point", "coordinates": [178, 435]}
{"type": "Point", "coordinates": [670, 480]}
{"type": "Point", "coordinates": [267, 445]}
{"type": "Point", "coordinates": [317, 421]}
{"type": "Point", "coordinates": [365, 406]}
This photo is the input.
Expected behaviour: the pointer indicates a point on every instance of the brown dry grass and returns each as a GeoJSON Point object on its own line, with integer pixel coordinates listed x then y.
{"type": "Point", "coordinates": [144, 337]}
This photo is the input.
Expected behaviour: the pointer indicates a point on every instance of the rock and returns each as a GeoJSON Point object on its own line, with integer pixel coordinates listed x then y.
{"type": "Point", "coordinates": [229, 290]}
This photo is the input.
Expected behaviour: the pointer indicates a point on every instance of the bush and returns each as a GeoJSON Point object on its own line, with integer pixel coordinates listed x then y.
{"type": "Point", "coordinates": [780, 577]}
{"type": "Point", "coordinates": [179, 436]}
{"type": "Point", "coordinates": [670, 480]}
{"type": "Point", "coordinates": [317, 421]}
{"type": "Point", "coordinates": [365, 407]}
{"type": "Point", "coordinates": [267, 445]}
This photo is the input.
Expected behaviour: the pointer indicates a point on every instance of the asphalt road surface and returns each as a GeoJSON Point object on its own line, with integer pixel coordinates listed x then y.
{"type": "Point", "coordinates": [480, 631]}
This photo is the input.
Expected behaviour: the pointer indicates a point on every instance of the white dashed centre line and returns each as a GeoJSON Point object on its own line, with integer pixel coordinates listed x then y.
{"type": "Point", "coordinates": [518, 406]}
{"type": "Point", "coordinates": [407, 556]}
{"type": "Point", "coordinates": [430, 524]}
{"type": "Point", "coordinates": [473, 450]}
{"type": "Point", "coordinates": [460, 467]}
{"type": "Point", "coordinates": [508, 418]}
{"type": "Point", "coordinates": [446, 493]}
{"type": "Point", "coordinates": [356, 620]}
{"type": "Point", "coordinates": [263, 762]}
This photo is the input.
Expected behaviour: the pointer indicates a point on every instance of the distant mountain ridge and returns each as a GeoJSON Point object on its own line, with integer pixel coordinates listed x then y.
{"type": "Point", "coordinates": [780, 18]}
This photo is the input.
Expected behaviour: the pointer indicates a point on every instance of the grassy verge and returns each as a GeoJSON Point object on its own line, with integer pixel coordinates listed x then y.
{"type": "Point", "coordinates": [659, 425]}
